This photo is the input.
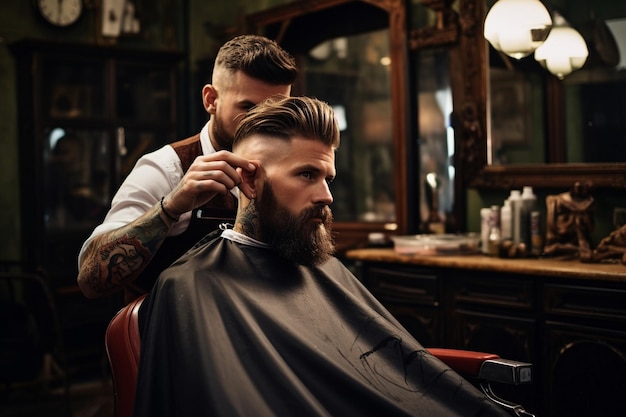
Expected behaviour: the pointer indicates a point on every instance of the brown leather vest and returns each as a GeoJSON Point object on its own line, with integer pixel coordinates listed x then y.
{"type": "Point", "coordinates": [204, 220]}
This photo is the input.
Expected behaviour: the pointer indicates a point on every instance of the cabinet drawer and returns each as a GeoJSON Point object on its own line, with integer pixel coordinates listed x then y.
{"type": "Point", "coordinates": [424, 323]}
{"type": "Point", "coordinates": [585, 301]}
{"type": "Point", "coordinates": [497, 290]}
{"type": "Point", "coordinates": [404, 285]}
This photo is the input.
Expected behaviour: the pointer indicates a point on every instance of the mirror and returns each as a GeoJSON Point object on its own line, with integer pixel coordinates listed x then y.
{"type": "Point", "coordinates": [352, 54]}
{"type": "Point", "coordinates": [348, 72]}
{"type": "Point", "coordinates": [433, 34]}
{"type": "Point", "coordinates": [543, 128]}
{"type": "Point", "coordinates": [591, 99]}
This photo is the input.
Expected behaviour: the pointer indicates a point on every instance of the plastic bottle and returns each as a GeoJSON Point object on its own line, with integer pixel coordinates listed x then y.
{"type": "Point", "coordinates": [506, 221]}
{"type": "Point", "coordinates": [493, 239]}
{"type": "Point", "coordinates": [485, 214]}
{"type": "Point", "coordinates": [515, 199]}
{"type": "Point", "coordinates": [529, 201]}
{"type": "Point", "coordinates": [536, 241]}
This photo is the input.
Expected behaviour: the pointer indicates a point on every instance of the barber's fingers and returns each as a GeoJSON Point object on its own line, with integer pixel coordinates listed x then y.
{"type": "Point", "coordinates": [208, 176]}
{"type": "Point", "coordinates": [228, 157]}
{"type": "Point", "coordinates": [219, 180]}
{"type": "Point", "coordinates": [197, 188]}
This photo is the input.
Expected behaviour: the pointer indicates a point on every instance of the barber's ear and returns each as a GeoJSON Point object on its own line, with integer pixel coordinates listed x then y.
{"type": "Point", "coordinates": [247, 185]}
{"type": "Point", "coordinates": [209, 95]}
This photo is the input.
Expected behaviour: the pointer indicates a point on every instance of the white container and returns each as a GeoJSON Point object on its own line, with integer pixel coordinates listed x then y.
{"type": "Point", "coordinates": [528, 196]}
{"type": "Point", "coordinates": [506, 221]}
{"type": "Point", "coordinates": [443, 244]}
{"type": "Point", "coordinates": [485, 214]}
{"type": "Point", "coordinates": [515, 199]}
{"type": "Point", "coordinates": [493, 242]}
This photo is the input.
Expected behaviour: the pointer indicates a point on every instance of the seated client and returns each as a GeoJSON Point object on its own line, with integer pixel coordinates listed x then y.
{"type": "Point", "coordinates": [263, 320]}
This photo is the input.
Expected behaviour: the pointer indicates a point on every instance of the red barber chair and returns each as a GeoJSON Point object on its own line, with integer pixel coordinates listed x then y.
{"type": "Point", "coordinates": [123, 348]}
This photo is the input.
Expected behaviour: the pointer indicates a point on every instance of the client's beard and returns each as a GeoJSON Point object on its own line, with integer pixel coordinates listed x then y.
{"type": "Point", "coordinates": [296, 238]}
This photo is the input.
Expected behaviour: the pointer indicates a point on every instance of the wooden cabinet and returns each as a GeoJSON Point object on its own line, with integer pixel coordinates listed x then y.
{"type": "Point", "coordinates": [585, 348]}
{"type": "Point", "coordinates": [494, 312]}
{"type": "Point", "coordinates": [86, 114]}
{"type": "Point", "coordinates": [413, 297]}
{"type": "Point", "coordinates": [566, 318]}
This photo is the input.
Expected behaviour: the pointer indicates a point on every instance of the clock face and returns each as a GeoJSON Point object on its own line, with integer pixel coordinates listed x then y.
{"type": "Point", "coordinates": [60, 12]}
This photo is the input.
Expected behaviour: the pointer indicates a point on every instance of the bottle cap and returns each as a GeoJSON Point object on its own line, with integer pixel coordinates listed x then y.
{"type": "Point", "coordinates": [528, 192]}
{"type": "Point", "coordinates": [515, 194]}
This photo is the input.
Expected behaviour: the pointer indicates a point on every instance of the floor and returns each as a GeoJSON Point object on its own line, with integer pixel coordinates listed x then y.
{"type": "Point", "coordinates": [87, 396]}
{"type": "Point", "coordinates": [88, 399]}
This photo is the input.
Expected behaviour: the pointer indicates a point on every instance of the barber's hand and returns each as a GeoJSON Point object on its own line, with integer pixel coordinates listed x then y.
{"type": "Point", "coordinates": [208, 176]}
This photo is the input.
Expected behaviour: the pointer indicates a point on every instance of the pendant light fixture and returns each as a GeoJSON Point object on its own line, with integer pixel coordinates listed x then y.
{"type": "Point", "coordinates": [517, 27]}
{"type": "Point", "coordinates": [564, 50]}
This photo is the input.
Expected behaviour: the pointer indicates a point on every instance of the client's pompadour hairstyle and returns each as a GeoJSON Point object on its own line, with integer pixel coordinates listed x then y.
{"type": "Point", "coordinates": [286, 117]}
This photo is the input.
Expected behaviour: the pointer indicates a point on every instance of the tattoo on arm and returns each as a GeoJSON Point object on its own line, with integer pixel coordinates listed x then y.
{"type": "Point", "coordinates": [117, 258]}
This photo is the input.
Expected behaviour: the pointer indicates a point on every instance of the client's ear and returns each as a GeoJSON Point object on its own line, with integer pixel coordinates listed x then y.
{"type": "Point", "coordinates": [247, 185]}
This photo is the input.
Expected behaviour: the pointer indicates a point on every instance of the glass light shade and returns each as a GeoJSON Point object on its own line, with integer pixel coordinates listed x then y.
{"type": "Point", "coordinates": [517, 27]}
{"type": "Point", "coordinates": [564, 51]}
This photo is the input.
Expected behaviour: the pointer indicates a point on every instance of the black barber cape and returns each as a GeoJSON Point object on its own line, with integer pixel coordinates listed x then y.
{"type": "Point", "coordinates": [234, 330]}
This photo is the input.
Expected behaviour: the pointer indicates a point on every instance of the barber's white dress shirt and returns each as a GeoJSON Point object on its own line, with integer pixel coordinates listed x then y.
{"type": "Point", "coordinates": [154, 176]}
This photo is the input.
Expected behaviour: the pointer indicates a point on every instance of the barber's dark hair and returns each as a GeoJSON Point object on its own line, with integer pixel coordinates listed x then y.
{"type": "Point", "coordinates": [286, 117]}
{"type": "Point", "coordinates": [258, 57]}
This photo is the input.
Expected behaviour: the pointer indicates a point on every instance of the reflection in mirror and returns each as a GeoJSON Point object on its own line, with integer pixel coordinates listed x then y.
{"type": "Point", "coordinates": [598, 95]}
{"type": "Point", "coordinates": [517, 111]}
{"type": "Point", "coordinates": [434, 34]}
{"type": "Point", "coordinates": [436, 136]}
{"type": "Point", "coordinates": [536, 118]}
{"type": "Point", "coordinates": [352, 74]}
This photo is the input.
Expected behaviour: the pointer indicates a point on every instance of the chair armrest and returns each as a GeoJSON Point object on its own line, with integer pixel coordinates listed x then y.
{"type": "Point", "coordinates": [464, 362]}
{"type": "Point", "coordinates": [506, 371]}
{"type": "Point", "coordinates": [485, 366]}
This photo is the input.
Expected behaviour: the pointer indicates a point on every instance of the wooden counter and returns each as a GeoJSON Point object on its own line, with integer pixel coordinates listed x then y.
{"type": "Point", "coordinates": [606, 271]}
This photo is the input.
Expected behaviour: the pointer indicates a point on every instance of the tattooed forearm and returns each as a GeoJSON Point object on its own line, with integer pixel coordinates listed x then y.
{"type": "Point", "coordinates": [120, 260]}
{"type": "Point", "coordinates": [115, 259]}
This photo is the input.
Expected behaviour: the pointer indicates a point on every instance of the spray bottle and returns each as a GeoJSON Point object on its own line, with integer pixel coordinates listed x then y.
{"type": "Point", "coordinates": [515, 200]}
{"type": "Point", "coordinates": [506, 221]}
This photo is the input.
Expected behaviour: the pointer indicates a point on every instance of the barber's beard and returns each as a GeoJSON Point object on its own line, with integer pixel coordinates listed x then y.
{"type": "Point", "coordinates": [219, 135]}
{"type": "Point", "coordinates": [297, 238]}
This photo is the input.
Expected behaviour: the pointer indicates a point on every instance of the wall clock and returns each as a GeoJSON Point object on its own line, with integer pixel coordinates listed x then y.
{"type": "Point", "coordinates": [60, 13]}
